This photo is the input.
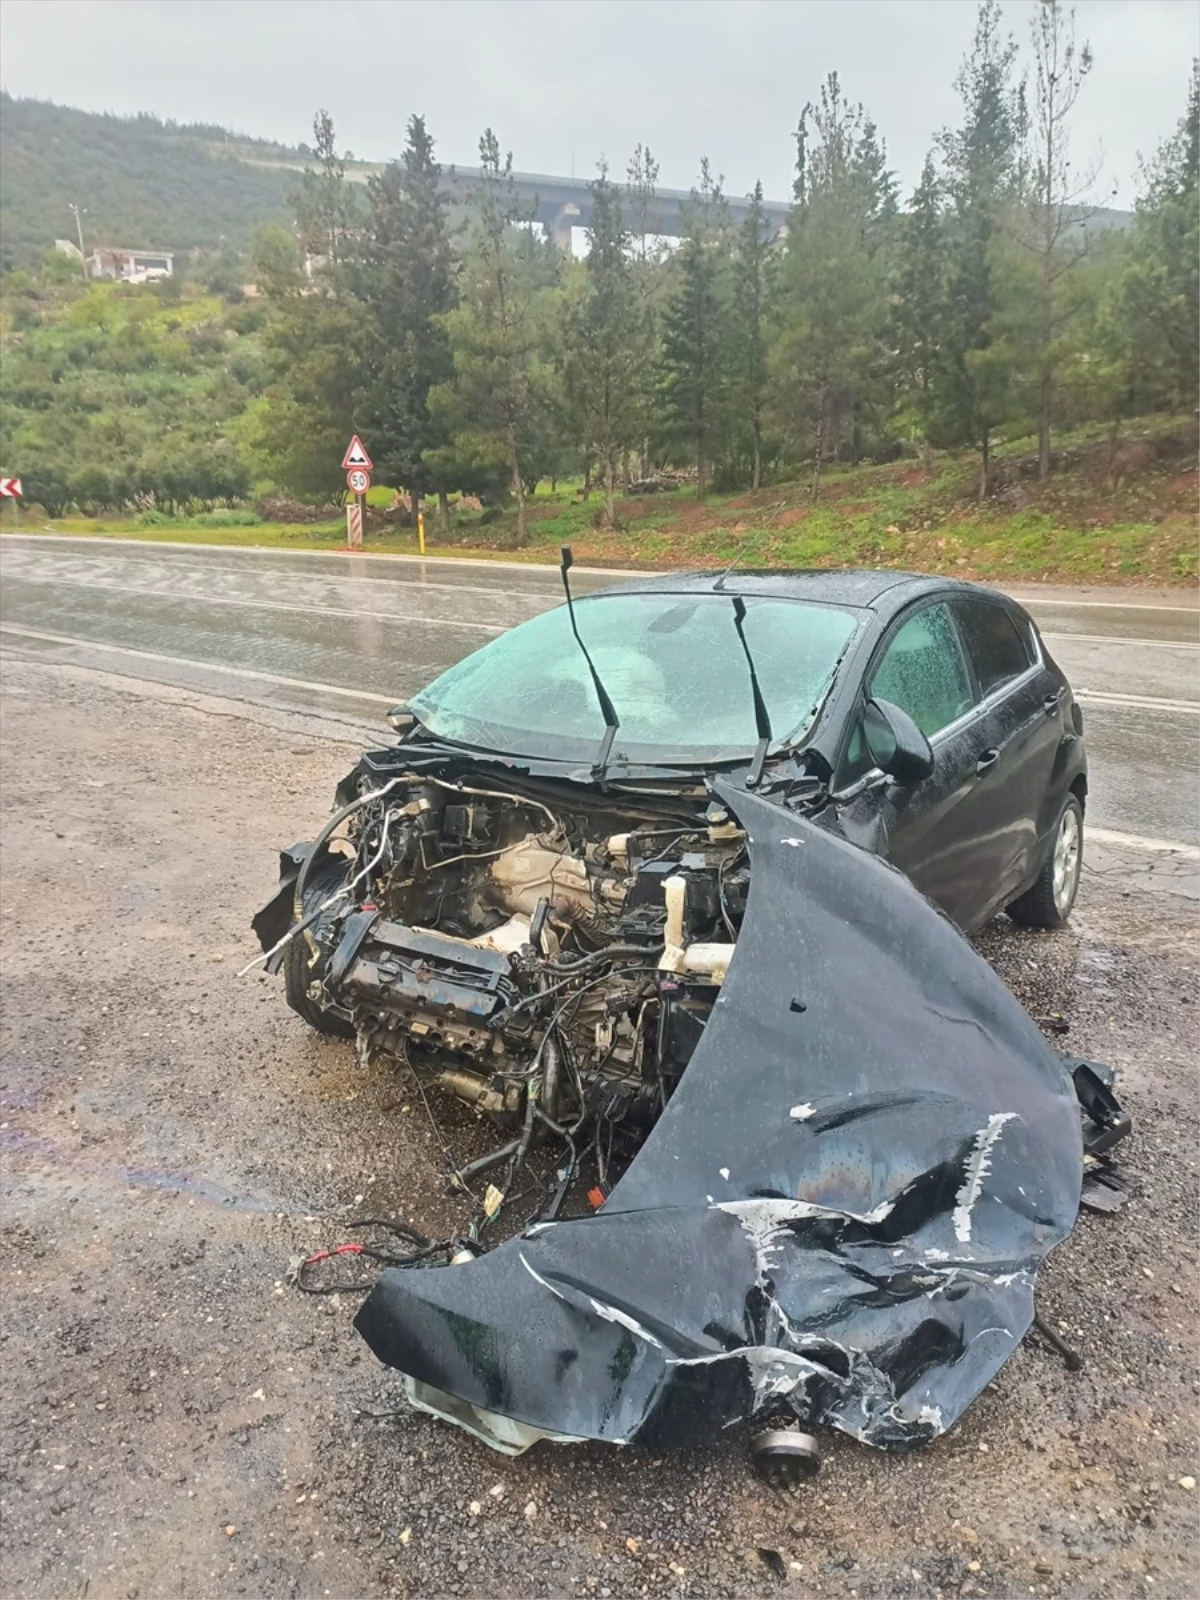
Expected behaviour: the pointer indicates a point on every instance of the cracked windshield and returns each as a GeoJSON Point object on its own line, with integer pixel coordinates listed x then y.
{"type": "Point", "coordinates": [673, 668]}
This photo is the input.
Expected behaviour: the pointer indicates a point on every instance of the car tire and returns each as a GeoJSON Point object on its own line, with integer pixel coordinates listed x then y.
{"type": "Point", "coordinates": [1048, 902]}
{"type": "Point", "coordinates": [296, 979]}
{"type": "Point", "coordinates": [298, 975]}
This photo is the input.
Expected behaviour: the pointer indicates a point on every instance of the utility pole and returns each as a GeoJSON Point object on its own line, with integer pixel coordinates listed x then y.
{"type": "Point", "coordinates": [79, 229]}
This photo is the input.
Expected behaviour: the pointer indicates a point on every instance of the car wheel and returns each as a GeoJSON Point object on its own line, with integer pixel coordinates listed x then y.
{"type": "Point", "coordinates": [299, 977]}
{"type": "Point", "coordinates": [1048, 903]}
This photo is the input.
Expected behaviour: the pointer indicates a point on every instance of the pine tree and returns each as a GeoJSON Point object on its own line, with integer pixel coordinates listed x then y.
{"type": "Point", "coordinates": [1058, 231]}
{"type": "Point", "coordinates": [984, 177]}
{"type": "Point", "coordinates": [648, 279]}
{"type": "Point", "coordinates": [325, 205]}
{"type": "Point", "coordinates": [408, 284]}
{"type": "Point", "coordinates": [491, 403]}
{"type": "Point", "coordinates": [828, 347]}
{"type": "Point", "coordinates": [695, 330]}
{"type": "Point", "coordinates": [751, 312]}
{"type": "Point", "coordinates": [918, 302]}
{"type": "Point", "coordinates": [604, 342]}
{"type": "Point", "coordinates": [315, 347]}
{"type": "Point", "coordinates": [1159, 301]}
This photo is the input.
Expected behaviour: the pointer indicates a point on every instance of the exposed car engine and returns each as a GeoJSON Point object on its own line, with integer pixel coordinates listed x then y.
{"type": "Point", "coordinates": [548, 962]}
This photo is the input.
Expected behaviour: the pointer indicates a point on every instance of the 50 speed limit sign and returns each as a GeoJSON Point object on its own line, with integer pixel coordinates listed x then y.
{"type": "Point", "coordinates": [358, 480]}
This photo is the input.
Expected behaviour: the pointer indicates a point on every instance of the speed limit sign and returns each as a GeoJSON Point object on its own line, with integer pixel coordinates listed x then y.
{"type": "Point", "coordinates": [358, 480]}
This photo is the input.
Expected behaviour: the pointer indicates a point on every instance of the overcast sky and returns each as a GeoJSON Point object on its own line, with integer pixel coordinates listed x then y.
{"type": "Point", "coordinates": [564, 82]}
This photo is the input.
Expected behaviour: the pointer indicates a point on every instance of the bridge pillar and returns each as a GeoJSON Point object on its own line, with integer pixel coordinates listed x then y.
{"type": "Point", "coordinates": [560, 228]}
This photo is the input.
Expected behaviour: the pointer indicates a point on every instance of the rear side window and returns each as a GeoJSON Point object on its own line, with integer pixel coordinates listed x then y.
{"type": "Point", "coordinates": [997, 651]}
{"type": "Point", "coordinates": [922, 671]}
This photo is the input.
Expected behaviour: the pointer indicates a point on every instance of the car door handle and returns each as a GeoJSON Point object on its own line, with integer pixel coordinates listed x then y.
{"type": "Point", "coordinates": [987, 760]}
{"type": "Point", "coordinates": [1051, 702]}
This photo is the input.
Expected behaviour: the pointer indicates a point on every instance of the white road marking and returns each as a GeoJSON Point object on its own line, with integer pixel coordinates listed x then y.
{"type": "Point", "coordinates": [1119, 638]}
{"type": "Point", "coordinates": [202, 666]}
{"type": "Point", "coordinates": [1032, 600]}
{"type": "Point", "coordinates": [176, 598]}
{"type": "Point", "coordinates": [1140, 702]}
{"type": "Point", "coordinates": [461, 589]}
{"type": "Point", "coordinates": [543, 568]}
{"type": "Point", "coordinates": [1141, 841]}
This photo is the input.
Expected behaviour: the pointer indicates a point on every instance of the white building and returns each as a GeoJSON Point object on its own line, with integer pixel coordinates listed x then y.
{"type": "Point", "coordinates": [131, 266]}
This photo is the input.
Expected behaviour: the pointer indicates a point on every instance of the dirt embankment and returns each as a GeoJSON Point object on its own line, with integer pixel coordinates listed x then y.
{"type": "Point", "coordinates": [178, 1421]}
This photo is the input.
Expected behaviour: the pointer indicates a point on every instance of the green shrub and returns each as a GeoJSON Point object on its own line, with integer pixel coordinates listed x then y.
{"type": "Point", "coordinates": [243, 518]}
{"type": "Point", "coordinates": [238, 518]}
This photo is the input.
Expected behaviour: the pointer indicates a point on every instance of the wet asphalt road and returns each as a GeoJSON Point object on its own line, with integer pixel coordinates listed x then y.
{"type": "Point", "coordinates": [350, 635]}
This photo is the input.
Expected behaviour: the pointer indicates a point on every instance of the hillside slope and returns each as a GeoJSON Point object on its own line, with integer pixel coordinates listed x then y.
{"type": "Point", "coordinates": [144, 182]}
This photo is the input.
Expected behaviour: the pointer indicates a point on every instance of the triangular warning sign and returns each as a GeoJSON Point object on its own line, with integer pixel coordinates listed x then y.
{"type": "Point", "coordinates": [356, 456]}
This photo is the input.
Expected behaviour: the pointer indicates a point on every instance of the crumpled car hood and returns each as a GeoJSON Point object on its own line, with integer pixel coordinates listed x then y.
{"type": "Point", "coordinates": [842, 1209]}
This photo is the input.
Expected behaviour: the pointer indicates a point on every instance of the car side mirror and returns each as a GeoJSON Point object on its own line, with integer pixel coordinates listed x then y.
{"type": "Point", "coordinates": [895, 744]}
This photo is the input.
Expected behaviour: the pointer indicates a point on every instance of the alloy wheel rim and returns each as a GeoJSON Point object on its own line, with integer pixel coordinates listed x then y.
{"type": "Point", "coordinates": [1066, 861]}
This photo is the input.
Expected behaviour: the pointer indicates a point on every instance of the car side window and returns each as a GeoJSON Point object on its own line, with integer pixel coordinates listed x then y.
{"type": "Point", "coordinates": [996, 649]}
{"type": "Point", "coordinates": [923, 672]}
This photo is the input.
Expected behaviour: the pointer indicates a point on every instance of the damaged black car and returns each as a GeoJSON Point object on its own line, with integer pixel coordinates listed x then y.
{"type": "Point", "coordinates": [669, 884]}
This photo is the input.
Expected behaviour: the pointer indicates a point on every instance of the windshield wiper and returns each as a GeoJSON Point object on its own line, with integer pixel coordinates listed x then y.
{"type": "Point", "coordinates": [762, 720]}
{"type": "Point", "coordinates": [611, 720]}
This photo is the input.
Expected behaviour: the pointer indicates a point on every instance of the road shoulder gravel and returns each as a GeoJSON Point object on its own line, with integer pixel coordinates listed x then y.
{"type": "Point", "coordinates": [178, 1421]}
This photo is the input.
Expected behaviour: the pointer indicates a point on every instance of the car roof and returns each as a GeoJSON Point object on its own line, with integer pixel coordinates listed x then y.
{"type": "Point", "coordinates": [861, 588]}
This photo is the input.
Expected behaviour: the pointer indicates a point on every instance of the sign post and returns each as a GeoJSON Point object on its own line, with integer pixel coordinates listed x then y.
{"type": "Point", "coordinates": [10, 489]}
{"type": "Point", "coordinates": [356, 464]}
{"type": "Point", "coordinates": [421, 532]}
{"type": "Point", "coordinates": [354, 521]}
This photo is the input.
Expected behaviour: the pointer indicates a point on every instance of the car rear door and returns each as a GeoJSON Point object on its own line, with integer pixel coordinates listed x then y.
{"type": "Point", "coordinates": [1020, 719]}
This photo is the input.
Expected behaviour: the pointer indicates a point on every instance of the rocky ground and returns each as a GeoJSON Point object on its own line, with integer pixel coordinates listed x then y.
{"type": "Point", "coordinates": [179, 1421]}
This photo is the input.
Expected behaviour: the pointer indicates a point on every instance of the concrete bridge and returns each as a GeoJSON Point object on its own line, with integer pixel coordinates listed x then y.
{"type": "Point", "coordinates": [563, 203]}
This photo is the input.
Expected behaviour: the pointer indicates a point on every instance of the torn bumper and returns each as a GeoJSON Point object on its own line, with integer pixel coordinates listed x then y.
{"type": "Point", "coordinates": [842, 1209]}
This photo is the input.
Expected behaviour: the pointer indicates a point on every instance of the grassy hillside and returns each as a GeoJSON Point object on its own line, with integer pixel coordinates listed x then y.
{"type": "Point", "coordinates": [1108, 515]}
{"type": "Point", "coordinates": [1111, 512]}
{"type": "Point", "coordinates": [117, 393]}
{"type": "Point", "coordinates": [144, 182]}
